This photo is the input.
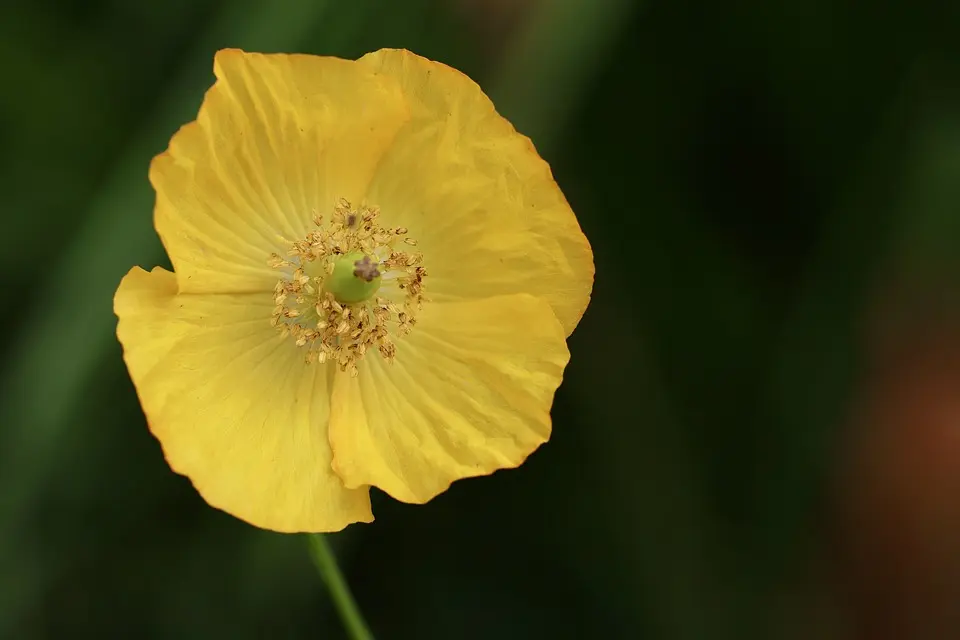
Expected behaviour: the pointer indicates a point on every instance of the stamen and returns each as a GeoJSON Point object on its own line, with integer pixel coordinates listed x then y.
{"type": "Point", "coordinates": [327, 299]}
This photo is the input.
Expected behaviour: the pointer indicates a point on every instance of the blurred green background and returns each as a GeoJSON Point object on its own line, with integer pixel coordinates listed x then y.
{"type": "Point", "coordinates": [759, 432]}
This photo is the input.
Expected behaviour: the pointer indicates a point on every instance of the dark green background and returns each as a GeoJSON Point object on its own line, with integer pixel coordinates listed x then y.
{"type": "Point", "coordinates": [750, 175]}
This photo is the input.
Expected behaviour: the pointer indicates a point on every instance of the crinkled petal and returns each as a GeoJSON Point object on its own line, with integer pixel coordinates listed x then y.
{"type": "Point", "coordinates": [234, 405]}
{"type": "Point", "coordinates": [469, 393]}
{"type": "Point", "coordinates": [279, 139]}
{"type": "Point", "coordinates": [488, 215]}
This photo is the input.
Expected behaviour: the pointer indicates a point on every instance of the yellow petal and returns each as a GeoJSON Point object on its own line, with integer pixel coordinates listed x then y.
{"type": "Point", "coordinates": [469, 393]}
{"type": "Point", "coordinates": [487, 213]}
{"type": "Point", "coordinates": [279, 139]}
{"type": "Point", "coordinates": [233, 404]}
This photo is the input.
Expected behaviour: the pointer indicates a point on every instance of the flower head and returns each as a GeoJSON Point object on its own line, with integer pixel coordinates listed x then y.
{"type": "Point", "coordinates": [374, 279]}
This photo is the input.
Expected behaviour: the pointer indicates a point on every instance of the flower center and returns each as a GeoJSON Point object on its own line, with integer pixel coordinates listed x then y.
{"type": "Point", "coordinates": [346, 288]}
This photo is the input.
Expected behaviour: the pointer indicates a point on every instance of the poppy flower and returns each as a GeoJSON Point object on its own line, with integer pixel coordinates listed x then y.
{"type": "Point", "coordinates": [374, 276]}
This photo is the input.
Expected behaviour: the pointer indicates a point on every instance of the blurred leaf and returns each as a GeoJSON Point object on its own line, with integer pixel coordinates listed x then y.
{"type": "Point", "coordinates": [550, 63]}
{"type": "Point", "coordinates": [820, 353]}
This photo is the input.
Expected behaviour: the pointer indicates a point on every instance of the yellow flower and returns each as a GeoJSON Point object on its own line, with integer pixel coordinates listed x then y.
{"type": "Point", "coordinates": [374, 279]}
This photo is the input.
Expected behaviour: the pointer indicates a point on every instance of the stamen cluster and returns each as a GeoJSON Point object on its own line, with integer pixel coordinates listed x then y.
{"type": "Point", "coordinates": [331, 330]}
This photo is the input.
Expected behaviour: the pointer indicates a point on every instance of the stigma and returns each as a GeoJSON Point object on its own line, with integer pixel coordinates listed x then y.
{"type": "Point", "coordinates": [346, 290]}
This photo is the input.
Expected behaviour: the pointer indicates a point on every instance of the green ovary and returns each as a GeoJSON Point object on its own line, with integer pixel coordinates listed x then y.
{"type": "Point", "coordinates": [355, 278]}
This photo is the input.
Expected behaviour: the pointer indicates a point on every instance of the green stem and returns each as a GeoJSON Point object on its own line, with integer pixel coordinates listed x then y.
{"type": "Point", "coordinates": [326, 564]}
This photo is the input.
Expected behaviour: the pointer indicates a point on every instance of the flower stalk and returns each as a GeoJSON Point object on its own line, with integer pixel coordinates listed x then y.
{"type": "Point", "coordinates": [326, 563]}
